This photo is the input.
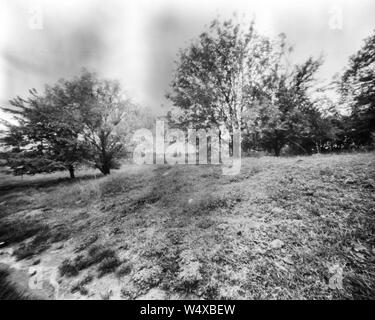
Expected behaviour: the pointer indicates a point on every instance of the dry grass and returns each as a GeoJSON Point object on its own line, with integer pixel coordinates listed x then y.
{"type": "Point", "coordinates": [279, 230]}
{"type": "Point", "coordinates": [106, 258]}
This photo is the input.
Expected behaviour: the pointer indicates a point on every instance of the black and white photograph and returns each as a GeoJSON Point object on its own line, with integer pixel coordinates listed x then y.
{"type": "Point", "coordinates": [201, 150]}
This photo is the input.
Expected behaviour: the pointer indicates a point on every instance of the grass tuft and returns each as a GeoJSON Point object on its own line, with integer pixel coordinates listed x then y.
{"type": "Point", "coordinates": [95, 255]}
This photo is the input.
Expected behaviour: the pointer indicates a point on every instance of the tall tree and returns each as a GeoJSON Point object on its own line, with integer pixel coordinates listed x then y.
{"type": "Point", "coordinates": [105, 115]}
{"type": "Point", "coordinates": [85, 119]}
{"type": "Point", "coordinates": [217, 76]}
{"type": "Point", "coordinates": [46, 138]}
{"type": "Point", "coordinates": [285, 113]}
{"type": "Point", "coordinates": [357, 87]}
{"type": "Point", "coordinates": [235, 77]}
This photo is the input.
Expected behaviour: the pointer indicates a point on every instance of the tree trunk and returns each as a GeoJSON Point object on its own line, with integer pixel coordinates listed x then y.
{"type": "Point", "coordinates": [106, 170]}
{"type": "Point", "coordinates": [71, 172]}
{"type": "Point", "coordinates": [105, 166]}
{"type": "Point", "coordinates": [317, 145]}
{"type": "Point", "coordinates": [277, 149]}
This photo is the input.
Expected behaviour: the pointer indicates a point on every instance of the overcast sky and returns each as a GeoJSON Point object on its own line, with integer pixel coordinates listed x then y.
{"type": "Point", "coordinates": [136, 41]}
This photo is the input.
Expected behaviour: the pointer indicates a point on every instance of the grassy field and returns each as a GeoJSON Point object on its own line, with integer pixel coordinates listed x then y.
{"type": "Point", "coordinates": [284, 228]}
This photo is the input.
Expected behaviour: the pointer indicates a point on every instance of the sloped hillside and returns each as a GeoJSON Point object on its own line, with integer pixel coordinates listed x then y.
{"type": "Point", "coordinates": [284, 228]}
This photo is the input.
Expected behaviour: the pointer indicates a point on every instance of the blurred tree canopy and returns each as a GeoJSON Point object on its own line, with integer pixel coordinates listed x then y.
{"type": "Point", "coordinates": [357, 88]}
{"type": "Point", "coordinates": [235, 77]}
{"type": "Point", "coordinates": [83, 120]}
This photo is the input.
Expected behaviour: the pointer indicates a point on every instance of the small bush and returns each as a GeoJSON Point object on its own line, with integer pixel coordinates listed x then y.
{"type": "Point", "coordinates": [41, 242]}
{"type": "Point", "coordinates": [189, 276]}
{"type": "Point", "coordinates": [127, 294]}
{"type": "Point", "coordinates": [148, 277]}
{"type": "Point", "coordinates": [80, 285]}
{"type": "Point", "coordinates": [68, 268]}
{"type": "Point", "coordinates": [79, 288]}
{"type": "Point", "coordinates": [211, 291]}
{"type": "Point", "coordinates": [108, 265]}
{"type": "Point", "coordinates": [124, 270]}
{"type": "Point", "coordinates": [7, 290]}
{"type": "Point", "coordinates": [96, 254]}
{"type": "Point", "coordinates": [59, 233]}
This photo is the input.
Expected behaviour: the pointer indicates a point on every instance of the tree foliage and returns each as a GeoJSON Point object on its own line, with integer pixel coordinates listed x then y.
{"type": "Point", "coordinates": [357, 88]}
{"type": "Point", "coordinates": [236, 77]}
{"type": "Point", "coordinates": [85, 119]}
{"type": "Point", "coordinates": [46, 139]}
{"type": "Point", "coordinates": [218, 75]}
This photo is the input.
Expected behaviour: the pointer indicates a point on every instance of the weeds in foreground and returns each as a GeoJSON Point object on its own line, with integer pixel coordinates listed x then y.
{"type": "Point", "coordinates": [41, 242]}
{"type": "Point", "coordinates": [16, 232]}
{"type": "Point", "coordinates": [80, 286]}
{"type": "Point", "coordinates": [322, 217]}
{"type": "Point", "coordinates": [95, 255]}
{"type": "Point", "coordinates": [108, 265]}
